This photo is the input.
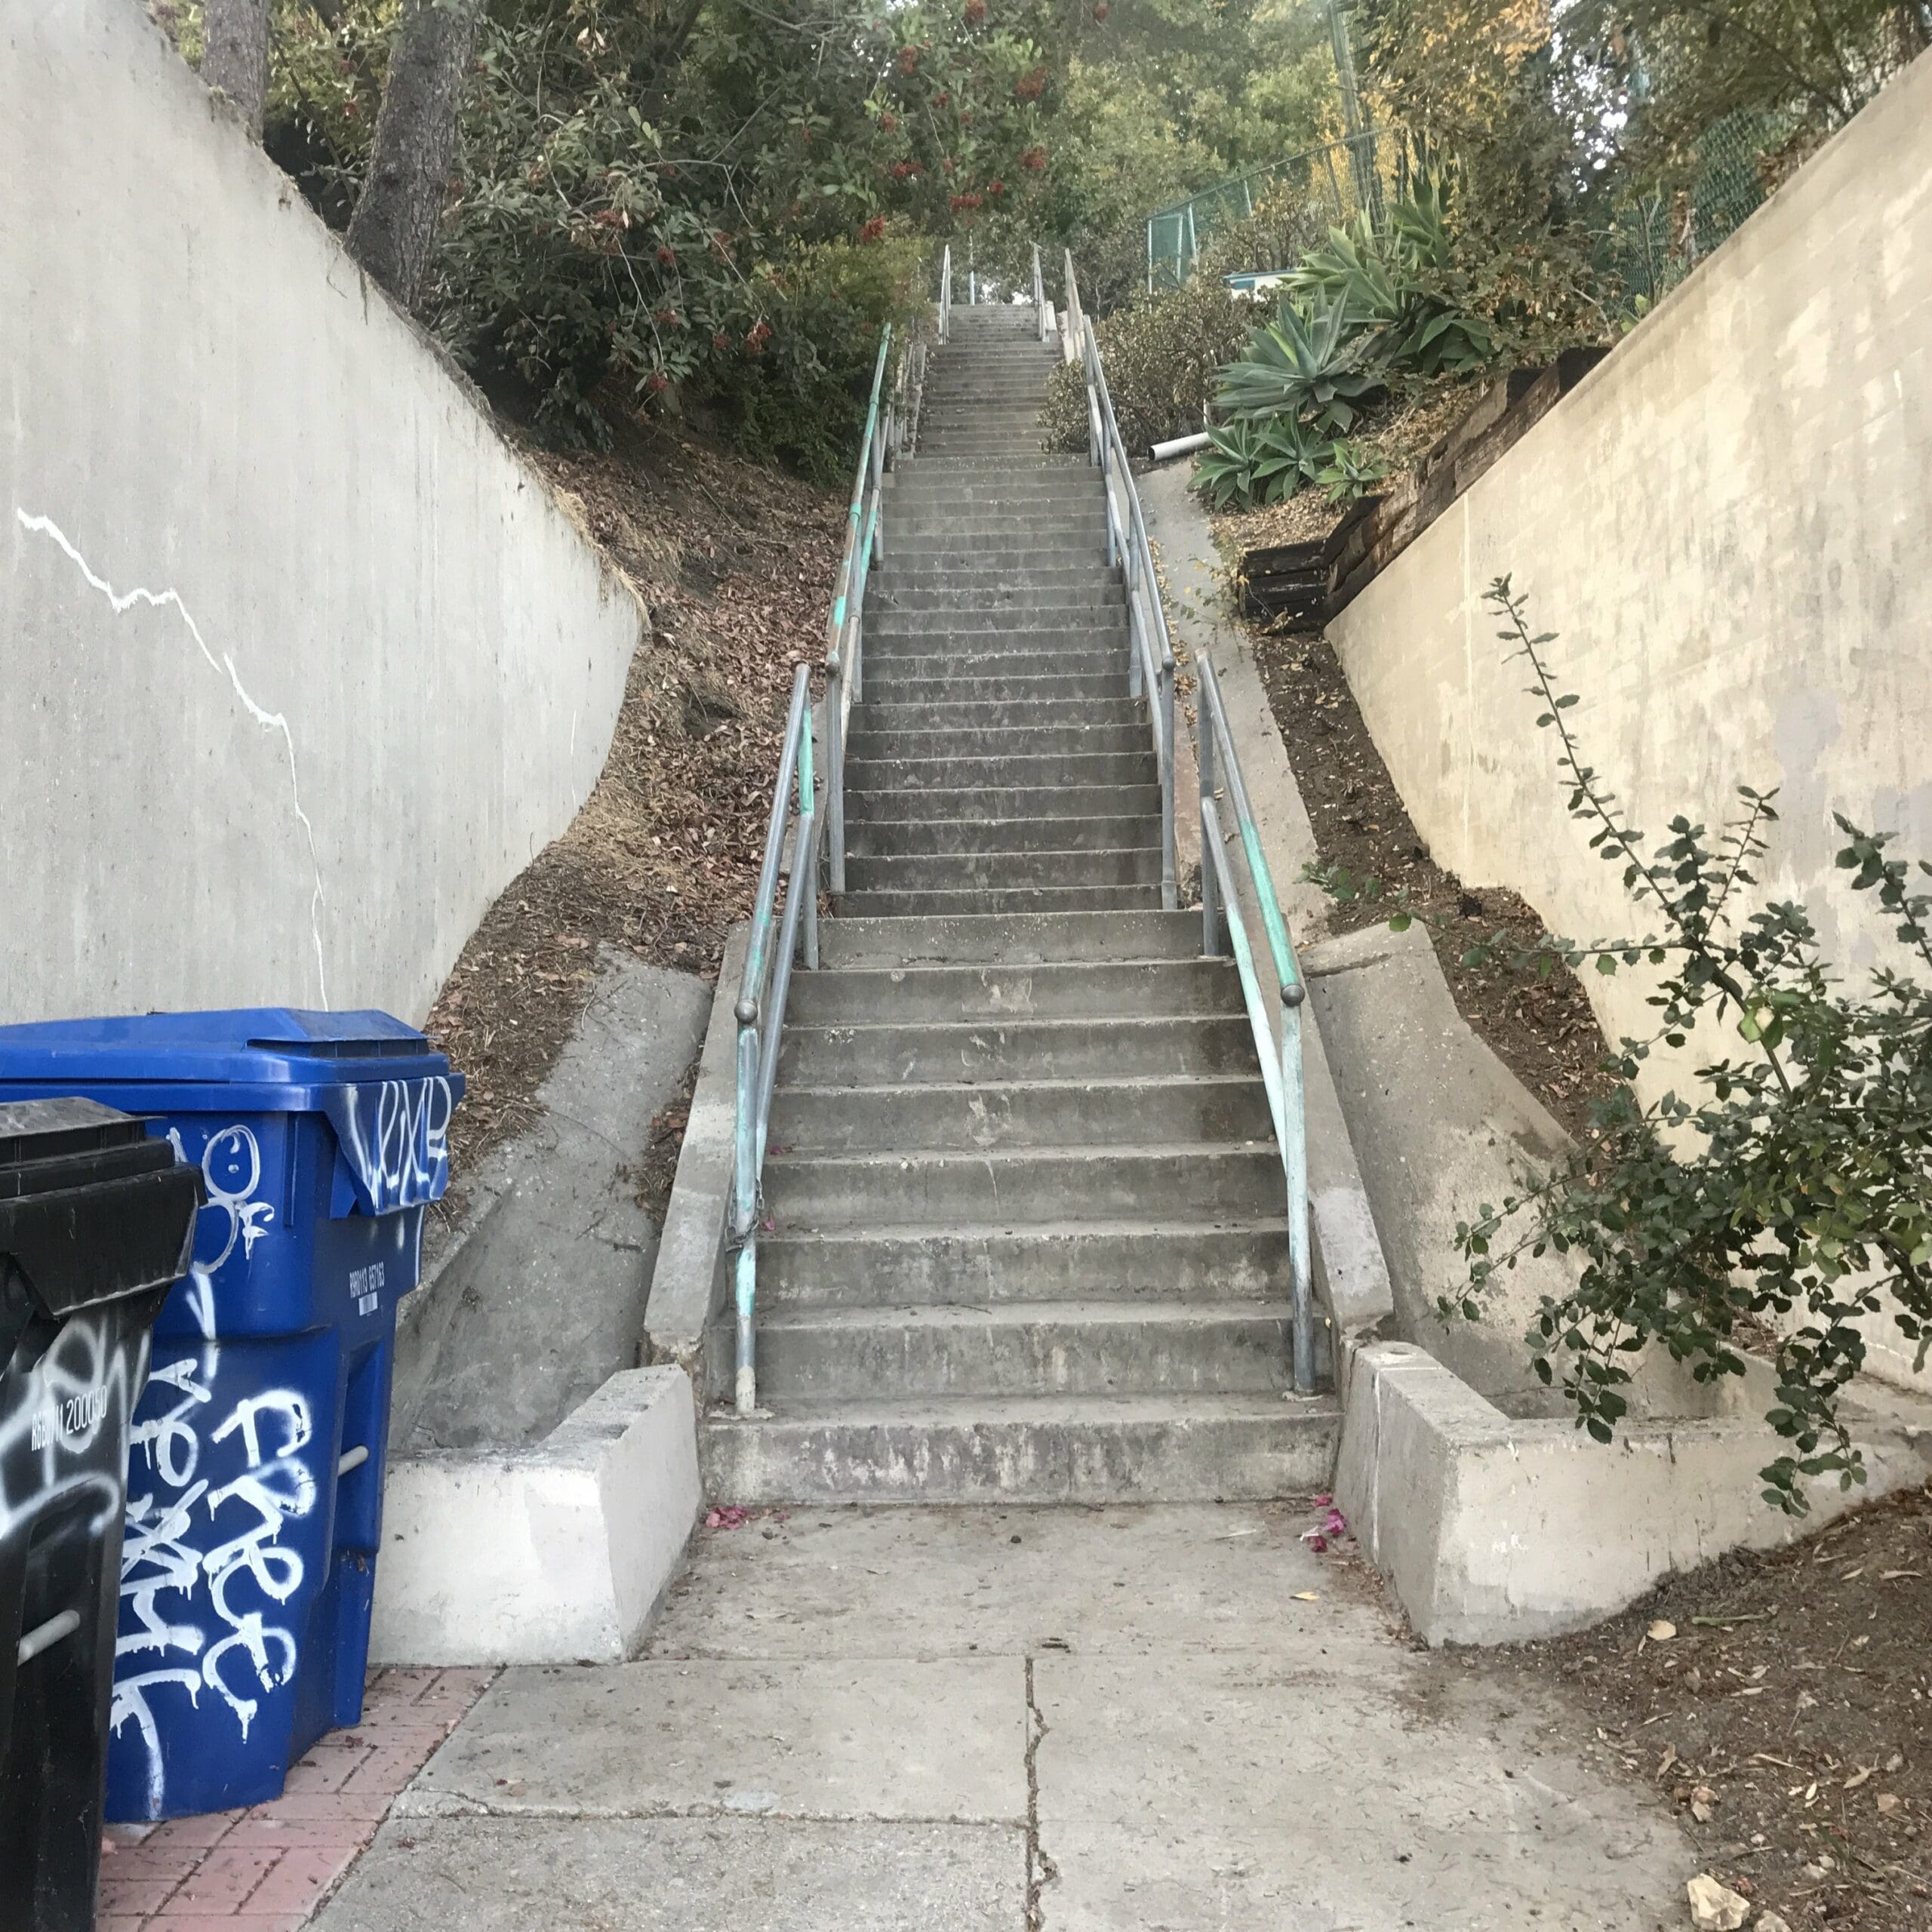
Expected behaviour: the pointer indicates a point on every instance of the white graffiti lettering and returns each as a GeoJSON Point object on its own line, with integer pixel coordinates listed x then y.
{"type": "Point", "coordinates": [192, 1540]}
{"type": "Point", "coordinates": [394, 1135]}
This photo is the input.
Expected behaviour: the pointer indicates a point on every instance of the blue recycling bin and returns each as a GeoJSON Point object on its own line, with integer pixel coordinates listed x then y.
{"type": "Point", "coordinates": [257, 1453]}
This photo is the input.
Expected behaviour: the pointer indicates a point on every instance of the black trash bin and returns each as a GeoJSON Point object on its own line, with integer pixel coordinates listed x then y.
{"type": "Point", "coordinates": [97, 1222]}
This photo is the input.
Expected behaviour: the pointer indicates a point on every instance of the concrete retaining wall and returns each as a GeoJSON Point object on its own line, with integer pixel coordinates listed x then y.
{"type": "Point", "coordinates": [1723, 523]}
{"type": "Point", "coordinates": [1494, 1530]}
{"type": "Point", "coordinates": [301, 664]}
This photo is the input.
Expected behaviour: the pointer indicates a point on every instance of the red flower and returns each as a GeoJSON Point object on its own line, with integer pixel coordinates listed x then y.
{"type": "Point", "coordinates": [908, 60]}
{"type": "Point", "coordinates": [975, 11]}
{"type": "Point", "coordinates": [657, 382]}
{"type": "Point", "coordinates": [940, 99]}
{"type": "Point", "coordinates": [665, 319]}
{"type": "Point", "coordinates": [947, 164]}
{"type": "Point", "coordinates": [719, 340]}
{"type": "Point", "coordinates": [757, 336]}
{"type": "Point", "coordinates": [888, 123]}
{"type": "Point", "coordinates": [995, 188]}
{"type": "Point", "coordinates": [1100, 10]}
{"type": "Point", "coordinates": [1030, 85]}
{"type": "Point", "coordinates": [903, 169]}
{"type": "Point", "coordinates": [874, 230]}
{"type": "Point", "coordinates": [1034, 158]}
{"type": "Point", "coordinates": [721, 242]}
{"type": "Point", "coordinates": [667, 257]}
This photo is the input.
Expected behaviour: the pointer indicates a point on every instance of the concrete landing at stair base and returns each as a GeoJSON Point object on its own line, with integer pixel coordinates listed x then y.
{"type": "Point", "coordinates": [1494, 1530]}
{"type": "Point", "coordinates": [554, 1554]}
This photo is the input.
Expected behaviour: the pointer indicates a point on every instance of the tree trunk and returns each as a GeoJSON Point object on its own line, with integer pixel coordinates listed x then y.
{"type": "Point", "coordinates": [393, 230]}
{"type": "Point", "coordinates": [235, 55]}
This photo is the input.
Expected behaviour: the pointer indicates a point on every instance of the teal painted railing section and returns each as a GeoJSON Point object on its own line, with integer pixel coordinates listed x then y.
{"type": "Point", "coordinates": [1222, 919]}
{"type": "Point", "coordinates": [816, 814]}
{"type": "Point", "coordinates": [1150, 662]}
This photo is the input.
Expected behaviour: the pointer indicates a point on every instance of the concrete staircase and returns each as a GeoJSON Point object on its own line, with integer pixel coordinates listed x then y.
{"type": "Point", "coordinates": [1030, 1241]}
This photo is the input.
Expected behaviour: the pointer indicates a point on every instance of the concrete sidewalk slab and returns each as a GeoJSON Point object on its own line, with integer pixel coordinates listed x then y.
{"type": "Point", "coordinates": [1367, 1793]}
{"type": "Point", "coordinates": [480, 1875]}
{"type": "Point", "coordinates": [999, 1582]}
{"type": "Point", "coordinates": [940, 1739]}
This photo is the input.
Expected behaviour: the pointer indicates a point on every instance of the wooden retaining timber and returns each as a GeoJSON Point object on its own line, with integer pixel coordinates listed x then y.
{"type": "Point", "coordinates": [1306, 584]}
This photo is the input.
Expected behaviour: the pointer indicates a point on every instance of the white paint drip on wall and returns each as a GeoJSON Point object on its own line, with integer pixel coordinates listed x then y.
{"type": "Point", "coordinates": [122, 601]}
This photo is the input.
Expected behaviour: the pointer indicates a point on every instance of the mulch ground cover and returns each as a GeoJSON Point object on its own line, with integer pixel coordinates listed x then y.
{"type": "Point", "coordinates": [1782, 1702]}
{"type": "Point", "coordinates": [735, 563]}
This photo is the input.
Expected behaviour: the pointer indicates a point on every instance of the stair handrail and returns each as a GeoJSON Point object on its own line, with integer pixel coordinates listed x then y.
{"type": "Point", "coordinates": [1042, 310]}
{"type": "Point", "coordinates": [760, 1011]}
{"type": "Point", "coordinates": [766, 982]}
{"type": "Point", "coordinates": [1150, 667]}
{"type": "Point", "coordinates": [844, 629]}
{"type": "Point", "coordinates": [1221, 916]}
{"type": "Point", "coordinates": [945, 292]}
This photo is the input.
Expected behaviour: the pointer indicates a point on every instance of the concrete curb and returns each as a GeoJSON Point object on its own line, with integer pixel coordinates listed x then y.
{"type": "Point", "coordinates": [558, 1553]}
{"type": "Point", "coordinates": [689, 1283]}
{"type": "Point", "coordinates": [1494, 1531]}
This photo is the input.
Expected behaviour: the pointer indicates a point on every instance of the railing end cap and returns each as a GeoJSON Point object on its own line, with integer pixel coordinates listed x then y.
{"type": "Point", "coordinates": [746, 1011]}
{"type": "Point", "coordinates": [1293, 993]}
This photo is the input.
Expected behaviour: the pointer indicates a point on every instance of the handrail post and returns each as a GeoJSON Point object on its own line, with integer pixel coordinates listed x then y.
{"type": "Point", "coordinates": [745, 1215]}
{"type": "Point", "coordinates": [1169, 885]}
{"type": "Point", "coordinates": [1295, 1162]}
{"type": "Point", "coordinates": [802, 869]}
{"type": "Point", "coordinates": [835, 767]}
{"type": "Point", "coordinates": [1210, 888]}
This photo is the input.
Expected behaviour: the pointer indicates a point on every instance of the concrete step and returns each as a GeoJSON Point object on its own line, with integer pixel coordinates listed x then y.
{"type": "Point", "coordinates": [942, 553]}
{"type": "Point", "coordinates": [1090, 1449]}
{"type": "Point", "coordinates": [1015, 741]}
{"type": "Point", "coordinates": [1106, 684]}
{"type": "Point", "coordinates": [1031, 1349]}
{"type": "Point", "coordinates": [1087, 522]}
{"type": "Point", "coordinates": [1125, 1260]}
{"type": "Point", "coordinates": [923, 465]}
{"type": "Point", "coordinates": [1017, 939]}
{"type": "Point", "coordinates": [882, 714]}
{"type": "Point", "coordinates": [914, 644]}
{"type": "Point", "coordinates": [892, 671]}
{"type": "Point", "coordinates": [997, 578]}
{"type": "Point", "coordinates": [882, 838]}
{"type": "Point", "coordinates": [1204, 1181]}
{"type": "Point", "coordinates": [1076, 804]}
{"type": "Point", "coordinates": [1086, 629]}
{"type": "Point", "coordinates": [1150, 989]}
{"type": "Point", "coordinates": [1002, 870]}
{"type": "Point", "coordinates": [1017, 899]}
{"type": "Point", "coordinates": [1041, 1113]}
{"type": "Point", "coordinates": [1055, 1049]}
{"type": "Point", "coordinates": [998, 594]}
{"type": "Point", "coordinates": [1004, 772]}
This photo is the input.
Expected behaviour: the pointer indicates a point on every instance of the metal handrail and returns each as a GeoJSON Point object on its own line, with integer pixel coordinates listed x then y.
{"type": "Point", "coordinates": [761, 1007]}
{"type": "Point", "coordinates": [945, 292]}
{"type": "Point", "coordinates": [767, 983]}
{"type": "Point", "coordinates": [1150, 664]}
{"type": "Point", "coordinates": [1042, 309]}
{"type": "Point", "coordinates": [1221, 916]}
{"type": "Point", "coordinates": [844, 629]}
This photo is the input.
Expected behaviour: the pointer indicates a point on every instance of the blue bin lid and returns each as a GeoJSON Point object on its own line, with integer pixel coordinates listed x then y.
{"type": "Point", "coordinates": [287, 1058]}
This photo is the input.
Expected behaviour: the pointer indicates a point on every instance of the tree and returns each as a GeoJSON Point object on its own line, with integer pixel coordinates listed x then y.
{"type": "Point", "coordinates": [393, 230]}
{"type": "Point", "coordinates": [235, 55]}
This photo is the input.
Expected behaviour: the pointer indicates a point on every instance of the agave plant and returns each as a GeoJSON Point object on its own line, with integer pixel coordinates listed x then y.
{"type": "Point", "coordinates": [1250, 463]}
{"type": "Point", "coordinates": [1307, 363]}
{"type": "Point", "coordinates": [1345, 472]}
{"type": "Point", "coordinates": [1394, 280]}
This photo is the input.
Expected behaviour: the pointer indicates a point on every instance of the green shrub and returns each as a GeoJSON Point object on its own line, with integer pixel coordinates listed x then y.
{"type": "Point", "coordinates": [1161, 355]}
{"type": "Point", "coordinates": [1347, 473]}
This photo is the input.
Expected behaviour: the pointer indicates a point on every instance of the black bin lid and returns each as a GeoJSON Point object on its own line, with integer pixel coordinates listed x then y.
{"type": "Point", "coordinates": [92, 1207]}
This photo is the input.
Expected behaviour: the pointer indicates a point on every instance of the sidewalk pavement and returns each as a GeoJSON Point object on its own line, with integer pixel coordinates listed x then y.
{"type": "Point", "coordinates": [1121, 1720]}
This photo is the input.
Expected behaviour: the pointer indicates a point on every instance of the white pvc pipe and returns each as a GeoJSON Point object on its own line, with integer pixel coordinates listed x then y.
{"type": "Point", "coordinates": [1180, 446]}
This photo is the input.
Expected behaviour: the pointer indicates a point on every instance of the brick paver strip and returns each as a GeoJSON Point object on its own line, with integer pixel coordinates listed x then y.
{"type": "Point", "coordinates": [266, 1870]}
